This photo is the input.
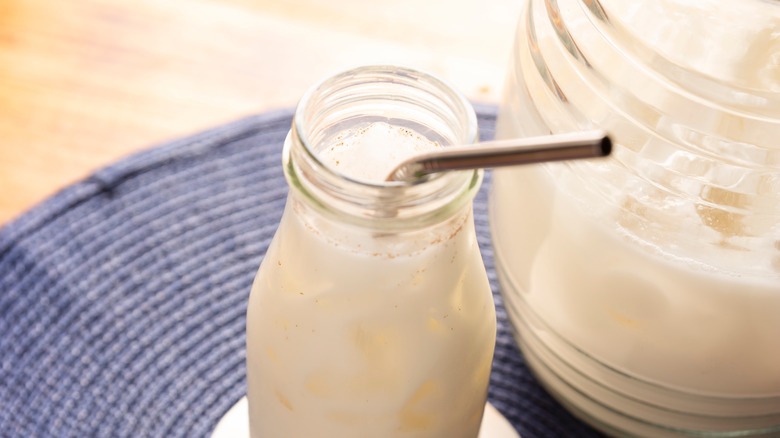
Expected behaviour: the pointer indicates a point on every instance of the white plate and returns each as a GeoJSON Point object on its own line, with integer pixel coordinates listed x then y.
{"type": "Point", "coordinates": [235, 423]}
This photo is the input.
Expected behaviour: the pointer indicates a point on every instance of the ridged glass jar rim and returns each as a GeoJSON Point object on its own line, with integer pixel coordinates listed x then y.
{"type": "Point", "coordinates": [391, 94]}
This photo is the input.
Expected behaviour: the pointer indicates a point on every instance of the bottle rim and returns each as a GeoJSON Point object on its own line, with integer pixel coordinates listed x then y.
{"type": "Point", "coordinates": [396, 95]}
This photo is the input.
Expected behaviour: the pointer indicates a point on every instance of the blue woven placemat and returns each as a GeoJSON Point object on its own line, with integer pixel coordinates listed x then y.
{"type": "Point", "coordinates": [122, 298]}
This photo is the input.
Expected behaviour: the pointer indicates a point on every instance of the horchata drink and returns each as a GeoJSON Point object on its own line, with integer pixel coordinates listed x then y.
{"type": "Point", "coordinates": [645, 289]}
{"type": "Point", "coordinates": [371, 314]}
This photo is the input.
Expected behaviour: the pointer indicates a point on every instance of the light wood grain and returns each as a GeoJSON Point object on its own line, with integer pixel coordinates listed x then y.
{"type": "Point", "coordinates": [86, 82]}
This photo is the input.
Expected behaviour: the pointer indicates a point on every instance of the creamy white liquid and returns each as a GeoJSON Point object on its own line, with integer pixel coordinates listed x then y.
{"type": "Point", "coordinates": [646, 313]}
{"type": "Point", "coordinates": [363, 153]}
{"type": "Point", "coordinates": [357, 334]}
{"type": "Point", "coordinates": [665, 311]}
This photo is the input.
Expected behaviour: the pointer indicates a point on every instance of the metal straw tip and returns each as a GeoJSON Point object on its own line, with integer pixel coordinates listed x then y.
{"type": "Point", "coordinates": [606, 145]}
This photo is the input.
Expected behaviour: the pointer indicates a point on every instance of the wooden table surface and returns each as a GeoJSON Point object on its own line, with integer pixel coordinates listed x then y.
{"type": "Point", "coordinates": [86, 82]}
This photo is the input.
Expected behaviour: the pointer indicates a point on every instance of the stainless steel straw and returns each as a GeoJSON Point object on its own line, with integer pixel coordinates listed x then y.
{"type": "Point", "coordinates": [576, 145]}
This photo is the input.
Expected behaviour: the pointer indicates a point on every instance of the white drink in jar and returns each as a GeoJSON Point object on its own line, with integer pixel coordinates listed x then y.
{"type": "Point", "coordinates": [353, 332]}
{"type": "Point", "coordinates": [646, 288]}
{"type": "Point", "coordinates": [657, 316]}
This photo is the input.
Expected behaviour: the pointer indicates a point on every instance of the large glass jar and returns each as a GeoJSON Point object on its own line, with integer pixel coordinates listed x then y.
{"type": "Point", "coordinates": [371, 314]}
{"type": "Point", "coordinates": [645, 289]}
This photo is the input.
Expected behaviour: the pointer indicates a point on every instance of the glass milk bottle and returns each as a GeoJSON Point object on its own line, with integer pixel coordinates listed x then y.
{"type": "Point", "coordinates": [645, 288]}
{"type": "Point", "coordinates": [371, 314]}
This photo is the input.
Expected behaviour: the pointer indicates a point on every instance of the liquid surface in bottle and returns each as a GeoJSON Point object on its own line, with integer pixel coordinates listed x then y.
{"type": "Point", "coordinates": [357, 333]}
{"type": "Point", "coordinates": [363, 153]}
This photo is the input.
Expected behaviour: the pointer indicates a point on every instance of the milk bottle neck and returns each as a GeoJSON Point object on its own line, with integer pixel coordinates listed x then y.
{"type": "Point", "coordinates": [389, 95]}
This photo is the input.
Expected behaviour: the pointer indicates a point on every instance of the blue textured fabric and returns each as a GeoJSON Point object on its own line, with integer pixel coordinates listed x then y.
{"type": "Point", "coordinates": [122, 298]}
